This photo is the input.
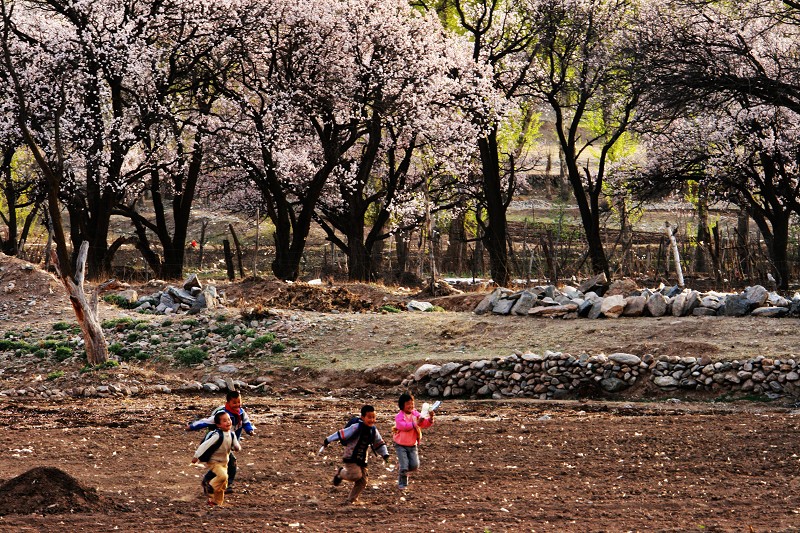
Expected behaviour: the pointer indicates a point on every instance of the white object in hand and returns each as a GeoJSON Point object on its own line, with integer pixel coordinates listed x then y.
{"type": "Point", "coordinates": [321, 450]}
{"type": "Point", "coordinates": [427, 408]}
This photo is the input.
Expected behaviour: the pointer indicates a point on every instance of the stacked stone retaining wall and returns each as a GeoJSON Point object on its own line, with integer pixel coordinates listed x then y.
{"type": "Point", "coordinates": [556, 375]}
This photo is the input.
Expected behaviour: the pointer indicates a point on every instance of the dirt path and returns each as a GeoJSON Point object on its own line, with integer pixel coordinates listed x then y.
{"type": "Point", "coordinates": [486, 466]}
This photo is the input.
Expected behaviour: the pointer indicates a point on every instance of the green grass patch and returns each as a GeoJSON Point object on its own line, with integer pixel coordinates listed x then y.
{"type": "Point", "coordinates": [121, 324]}
{"type": "Point", "coordinates": [102, 366]}
{"type": "Point", "coordinates": [190, 356]}
{"type": "Point", "coordinates": [55, 375]}
{"type": "Point", "coordinates": [263, 341]}
{"type": "Point", "coordinates": [390, 309]}
{"type": "Point", "coordinates": [62, 326]}
{"type": "Point", "coordinates": [63, 353]}
{"type": "Point", "coordinates": [119, 301]}
{"type": "Point", "coordinates": [278, 347]}
{"type": "Point", "coordinates": [225, 330]}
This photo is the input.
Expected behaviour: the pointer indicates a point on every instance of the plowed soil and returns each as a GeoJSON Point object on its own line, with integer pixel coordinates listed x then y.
{"type": "Point", "coordinates": [486, 466]}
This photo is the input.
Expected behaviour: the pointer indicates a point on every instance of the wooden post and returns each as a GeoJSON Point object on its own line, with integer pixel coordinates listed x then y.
{"type": "Point", "coordinates": [238, 251]}
{"type": "Point", "coordinates": [226, 247]}
{"type": "Point", "coordinates": [203, 226]}
{"type": "Point", "coordinates": [676, 254]}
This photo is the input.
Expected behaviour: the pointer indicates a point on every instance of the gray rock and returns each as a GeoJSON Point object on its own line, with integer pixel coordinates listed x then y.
{"type": "Point", "coordinates": [613, 306]}
{"type": "Point", "coordinates": [503, 306]}
{"type": "Point", "coordinates": [770, 312]}
{"type": "Point", "coordinates": [596, 284]}
{"type": "Point", "coordinates": [737, 305]}
{"type": "Point", "coordinates": [613, 384]}
{"type": "Point", "coordinates": [584, 308]}
{"type": "Point", "coordinates": [414, 305]}
{"type": "Point", "coordinates": [129, 295]}
{"type": "Point", "coordinates": [423, 371]}
{"type": "Point", "coordinates": [666, 381]}
{"type": "Point", "coordinates": [556, 310]}
{"type": "Point", "coordinates": [210, 387]}
{"type": "Point", "coordinates": [634, 305]}
{"type": "Point", "coordinates": [227, 369]}
{"type": "Point", "coordinates": [711, 302]}
{"type": "Point", "coordinates": [756, 295]}
{"type": "Point", "coordinates": [625, 358]}
{"type": "Point", "coordinates": [524, 303]}
{"type": "Point", "coordinates": [704, 311]}
{"type": "Point", "coordinates": [487, 304]}
{"type": "Point", "coordinates": [192, 282]}
{"type": "Point", "coordinates": [678, 304]}
{"type": "Point", "coordinates": [657, 305]}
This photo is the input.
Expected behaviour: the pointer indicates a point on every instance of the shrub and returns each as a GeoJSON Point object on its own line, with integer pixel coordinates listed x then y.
{"type": "Point", "coordinates": [55, 375]}
{"type": "Point", "coordinates": [225, 330]}
{"type": "Point", "coordinates": [278, 347]}
{"type": "Point", "coordinates": [119, 301]}
{"type": "Point", "coordinates": [191, 322]}
{"type": "Point", "coordinates": [62, 326]}
{"type": "Point", "coordinates": [390, 309]}
{"type": "Point", "coordinates": [120, 324]}
{"type": "Point", "coordinates": [262, 341]}
{"type": "Point", "coordinates": [63, 353]}
{"type": "Point", "coordinates": [190, 356]}
{"type": "Point", "coordinates": [435, 309]}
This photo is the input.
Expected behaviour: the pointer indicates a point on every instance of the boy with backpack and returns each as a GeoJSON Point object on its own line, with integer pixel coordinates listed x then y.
{"type": "Point", "coordinates": [240, 421]}
{"type": "Point", "coordinates": [357, 437]}
{"type": "Point", "coordinates": [214, 452]}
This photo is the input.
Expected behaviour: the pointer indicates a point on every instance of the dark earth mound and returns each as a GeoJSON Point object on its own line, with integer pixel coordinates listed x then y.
{"type": "Point", "coordinates": [46, 490]}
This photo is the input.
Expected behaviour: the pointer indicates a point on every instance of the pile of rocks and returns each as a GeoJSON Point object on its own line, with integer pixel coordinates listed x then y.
{"type": "Point", "coordinates": [555, 375]}
{"type": "Point", "coordinates": [190, 299]}
{"type": "Point", "coordinates": [121, 390]}
{"type": "Point", "coordinates": [595, 299]}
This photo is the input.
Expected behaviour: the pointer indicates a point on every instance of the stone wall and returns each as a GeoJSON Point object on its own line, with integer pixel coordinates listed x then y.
{"type": "Point", "coordinates": [555, 375]}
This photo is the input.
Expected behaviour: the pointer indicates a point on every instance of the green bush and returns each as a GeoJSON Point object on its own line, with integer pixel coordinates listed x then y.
{"type": "Point", "coordinates": [191, 322]}
{"type": "Point", "coordinates": [190, 356]}
{"type": "Point", "coordinates": [63, 353]}
{"type": "Point", "coordinates": [119, 301]}
{"type": "Point", "coordinates": [167, 323]}
{"type": "Point", "coordinates": [225, 330]}
{"type": "Point", "coordinates": [6, 344]}
{"type": "Point", "coordinates": [120, 324]}
{"type": "Point", "coordinates": [62, 326]}
{"type": "Point", "coordinates": [262, 341]}
{"type": "Point", "coordinates": [390, 309]}
{"type": "Point", "coordinates": [435, 309]}
{"type": "Point", "coordinates": [102, 366]}
{"type": "Point", "coordinates": [55, 375]}
{"type": "Point", "coordinates": [278, 347]}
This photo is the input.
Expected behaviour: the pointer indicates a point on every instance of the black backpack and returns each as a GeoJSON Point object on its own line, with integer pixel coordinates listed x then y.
{"type": "Point", "coordinates": [214, 447]}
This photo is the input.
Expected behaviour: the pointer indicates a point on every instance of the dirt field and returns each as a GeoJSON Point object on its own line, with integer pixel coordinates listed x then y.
{"type": "Point", "coordinates": [486, 466]}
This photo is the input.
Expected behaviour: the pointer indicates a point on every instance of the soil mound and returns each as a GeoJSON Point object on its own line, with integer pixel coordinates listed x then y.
{"type": "Point", "coordinates": [46, 490]}
{"type": "Point", "coordinates": [268, 293]}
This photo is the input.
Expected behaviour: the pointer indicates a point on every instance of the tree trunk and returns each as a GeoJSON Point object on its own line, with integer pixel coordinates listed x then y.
{"type": "Point", "coordinates": [742, 242]}
{"type": "Point", "coordinates": [457, 246]}
{"type": "Point", "coordinates": [703, 234]}
{"type": "Point", "coordinates": [85, 311]}
{"type": "Point", "coordinates": [494, 237]}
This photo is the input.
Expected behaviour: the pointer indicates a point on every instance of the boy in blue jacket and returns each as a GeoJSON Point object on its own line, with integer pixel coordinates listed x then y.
{"type": "Point", "coordinates": [358, 437]}
{"type": "Point", "coordinates": [240, 422]}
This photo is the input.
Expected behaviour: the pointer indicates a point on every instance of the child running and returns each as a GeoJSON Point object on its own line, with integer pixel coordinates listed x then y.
{"type": "Point", "coordinates": [357, 437]}
{"type": "Point", "coordinates": [214, 452]}
{"type": "Point", "coordinates": [407, 432]}
{"type": "Point", "coordinates": [240, 422]}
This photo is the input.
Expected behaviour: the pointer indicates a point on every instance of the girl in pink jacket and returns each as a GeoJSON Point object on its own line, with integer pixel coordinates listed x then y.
{"type": "Point", "coordinates": [407, 432]}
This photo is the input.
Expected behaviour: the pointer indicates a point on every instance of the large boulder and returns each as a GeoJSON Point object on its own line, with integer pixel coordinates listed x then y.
{"type": "Point", "coordinates": [656, 305]}
{"type": "Point", "coordinates": [613, 306]}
